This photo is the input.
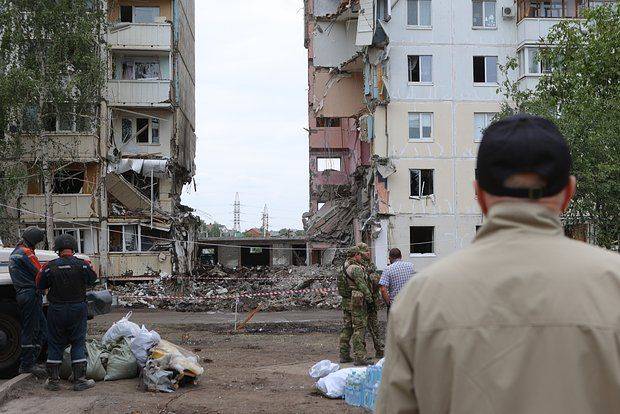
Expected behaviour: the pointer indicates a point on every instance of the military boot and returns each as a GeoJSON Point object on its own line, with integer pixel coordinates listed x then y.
{"type": "Point", "coordinates": [80, 383]}
{"type": "Point", "coordinates": [53, 380]}
{"type": "Point", "coordinates": [379, 354]}
{"type": "Point", "coordinates": [345, 359]}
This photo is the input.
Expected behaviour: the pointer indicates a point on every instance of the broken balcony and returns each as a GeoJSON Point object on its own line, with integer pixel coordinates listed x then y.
{"type": "Point", "coordinates": [333, 133]}
{"type": "Point", "coordinates": [66, 207]}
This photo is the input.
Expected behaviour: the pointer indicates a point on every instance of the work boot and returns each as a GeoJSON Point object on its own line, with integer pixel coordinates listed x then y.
{"type": "Point", "coordinates": [35, 370]}
{"type": "Point", "coordinates": [53, 381]}
{"type": "Point", "coordinates": [80, 383]}
{"type": "Point", "coordinates": [363, 362]}
{"type": "Point", "coordinates": [379, 354]}
{"type": "Point", "coordinates": [345, 359]}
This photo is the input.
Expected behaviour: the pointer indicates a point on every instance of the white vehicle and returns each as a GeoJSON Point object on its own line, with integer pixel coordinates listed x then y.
{"type": "Point", "coordinates": [10, 348]}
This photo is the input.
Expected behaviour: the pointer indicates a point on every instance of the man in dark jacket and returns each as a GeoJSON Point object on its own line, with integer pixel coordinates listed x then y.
{"type": "Point", "coordinates": [23, 268]}
{"type": "Point", "coordinates": [67, 279]}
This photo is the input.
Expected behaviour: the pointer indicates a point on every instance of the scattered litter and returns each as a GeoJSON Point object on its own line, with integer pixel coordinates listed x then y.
{"type": "Point", "coordinates": [361, 389]}
{"type": "Point", "coordinates": [155, 379]}
{"type": "Point", "coordinates": [323, 369]}
{"type": "Point", "coordinates": [202, 290]}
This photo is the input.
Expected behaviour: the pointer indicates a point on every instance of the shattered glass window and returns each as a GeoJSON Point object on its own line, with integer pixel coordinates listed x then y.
{"type": "Point", "coordinates": [155, 131]}
{"type": "Point", "coordinates": [127, 129]}
{"type": "Point", "coordinates": [142, 130]}
{"type": "Point", "coordinates": [130, 234]}
{"type": "Point", "coordinates": [145, 14]}
{"type": "Point", "coordinates": [422, 239]}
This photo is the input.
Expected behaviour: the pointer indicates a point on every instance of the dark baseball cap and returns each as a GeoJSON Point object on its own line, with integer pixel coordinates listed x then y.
{"type": "Point", "coordinates": [523, 144]}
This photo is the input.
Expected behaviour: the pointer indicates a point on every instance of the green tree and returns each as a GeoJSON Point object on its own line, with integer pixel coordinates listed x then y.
{"type": "Point", "coordinates": [582, 96]}
{"type": "Point", "coordinates": [52, 72]}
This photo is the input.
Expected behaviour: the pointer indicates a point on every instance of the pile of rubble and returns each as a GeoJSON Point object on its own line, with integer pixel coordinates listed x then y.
{"type": "Point", "coordinates": [216, 288]}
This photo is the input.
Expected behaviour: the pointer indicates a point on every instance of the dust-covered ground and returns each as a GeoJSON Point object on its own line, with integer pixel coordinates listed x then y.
{"type": "Point", "coordinates": [264, 371]}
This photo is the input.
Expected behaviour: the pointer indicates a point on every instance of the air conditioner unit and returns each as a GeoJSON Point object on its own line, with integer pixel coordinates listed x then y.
{"type": "Point", "coordinates": [508, 13]}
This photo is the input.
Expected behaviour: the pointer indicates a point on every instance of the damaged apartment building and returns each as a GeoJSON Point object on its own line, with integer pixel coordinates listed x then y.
{"type": "Point", "coordinates": [117, 186]}
{"type": "Point", "coordinates": [400, 92]}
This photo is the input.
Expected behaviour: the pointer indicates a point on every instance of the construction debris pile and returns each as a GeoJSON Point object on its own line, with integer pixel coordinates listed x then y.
{"type": "Point", "coordinates": [217, 288]}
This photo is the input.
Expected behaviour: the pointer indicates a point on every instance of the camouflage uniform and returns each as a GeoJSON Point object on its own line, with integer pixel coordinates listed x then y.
{"type": "Point", "coordinates": [353, 285]}
{"type": "Point", "coordinates": [373, 319]}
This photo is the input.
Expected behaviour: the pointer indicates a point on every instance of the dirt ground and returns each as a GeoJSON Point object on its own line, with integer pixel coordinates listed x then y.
{"type": "Point", "coordinates": [264, 371]}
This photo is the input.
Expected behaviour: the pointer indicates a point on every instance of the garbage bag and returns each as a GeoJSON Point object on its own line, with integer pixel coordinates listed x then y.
{"type": "Point", "coordinates": [94, 367]}
{"type": "Point", "coordinates": [99, 302]}
{"type": "Point", "coordinates": [332, 386]}
{"type": "Point", "coordinates": [323, 369]}
{"type": "Point", "coordinates": [124, 328]}
{"type": "Point", "coordinates": [143, 343]}
{"type": "Point", "coordinates": [121, 362]}
{"type": "Point", "coordinates": [181, 360]}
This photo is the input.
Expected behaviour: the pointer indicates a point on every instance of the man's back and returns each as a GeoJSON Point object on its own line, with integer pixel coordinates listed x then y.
{"type": "Point", "coordinates": [523, 321]}
{"type": "Point", "coordinates": [396, 276]}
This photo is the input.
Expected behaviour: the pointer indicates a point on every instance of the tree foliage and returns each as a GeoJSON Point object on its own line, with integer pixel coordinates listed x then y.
{"type": "Point", "coordinates": [51, 69]}
{"type": "Point", "coordinates": [582, 96]}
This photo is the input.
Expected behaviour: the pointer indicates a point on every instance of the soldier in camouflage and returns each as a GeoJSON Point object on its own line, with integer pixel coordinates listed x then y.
{"type": "Point", "coordinates": [373, 307]}
{"type": "Point", "coordinates": [356, 295]}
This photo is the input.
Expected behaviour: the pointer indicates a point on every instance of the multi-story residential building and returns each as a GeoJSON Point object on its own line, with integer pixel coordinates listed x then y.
{"type": "Point", "coordinates": [430, 89]}
{"type": "Point", "coordinates": [117, 184]}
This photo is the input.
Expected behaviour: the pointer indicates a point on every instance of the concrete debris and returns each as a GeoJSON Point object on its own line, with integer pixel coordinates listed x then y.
{"type": "Point", "coordinates": [215, 288]}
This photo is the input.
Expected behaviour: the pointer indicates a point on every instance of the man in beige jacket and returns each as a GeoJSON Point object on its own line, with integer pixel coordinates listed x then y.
{"type": "Point", "coordinates": [524, 320]}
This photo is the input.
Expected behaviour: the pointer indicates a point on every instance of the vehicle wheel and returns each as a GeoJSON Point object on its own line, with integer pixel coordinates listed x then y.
{"type": "Point", "coordinates": [9, 340]}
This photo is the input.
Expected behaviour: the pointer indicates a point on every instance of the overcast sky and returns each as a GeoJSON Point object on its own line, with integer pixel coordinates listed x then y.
{"type": "Point", "coordinates": [251, 94]}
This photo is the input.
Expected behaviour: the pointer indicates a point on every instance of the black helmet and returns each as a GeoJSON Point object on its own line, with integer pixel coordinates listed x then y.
{"type": "Point", "coordinates": [65, 241]}
{"type": "Point", "coordinates": [33, 235]}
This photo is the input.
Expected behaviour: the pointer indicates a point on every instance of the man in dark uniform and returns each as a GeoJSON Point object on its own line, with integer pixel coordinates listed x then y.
{"type": "Point", "coordinates": [67, 278]}
{"type": "Point", "coordinates": [23, 268]}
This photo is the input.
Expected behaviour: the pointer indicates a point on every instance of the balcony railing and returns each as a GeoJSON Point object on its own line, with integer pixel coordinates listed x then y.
{"type": "Point", "coordinates": [556, 9]}
{"type": "Point", "coordinates": [143, 92]}
{"type": "Point", "coordinates": [139, 263]}
{"type": "Point", "coordinates": [65, 207]}
{"type": "Point", "coordinates": [139, 36]}
{"type": "Point", "coordinates": [73, 146]}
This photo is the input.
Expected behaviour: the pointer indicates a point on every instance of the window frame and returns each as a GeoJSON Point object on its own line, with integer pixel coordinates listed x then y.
{"type": "Point", "coordinates": [432, 242]}
{"type": "Point", "coordinates": [484, 15]}
{"type": "Point", "coordinates": [134, 130]}
{"type": "Point", "coordinates": [420, 192]}
{"type": "Point", "coordinates": [524, 59]}
{"type": "Point", "coordinates": [318, 167]}
{"type": "Point", "coordinates": [79, 237]}
{"type": "Point", "coordinates": [486, 74]}
{"type": "Point", "coordinates": [418, 26]}
{"type": "Point", "coordinates": [487, 123]}
{"type": "Point", "coordinates": [123, 239]}
{"type": "Point", "coordinates": [421, 127]}
{"type": "Point", "coordinates": [410, 70]}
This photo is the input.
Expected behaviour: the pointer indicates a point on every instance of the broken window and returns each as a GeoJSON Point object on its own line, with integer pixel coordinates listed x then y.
{"type": "Point", "coordinates": [420, 126]}
{"type": "Point", "coordinates": [383, 12]}
{"type": "Point", "coordinates": [142, 130]}
{"type": "Point", "coordinates": [326, 122]}
{"type": "Point", "coordinates": [126, 129]}
{"type": "Point", "coordinates": [143, 183]}
{"type": "Point", "coordinates": [128, 72]}
{"type": "Point", "coordinates": [421, 183]}
{"type": "Point", "coordinates": [153, 239]}
{"type": "Point", "coordinates": [68, 181]}
{"type": "Point", "coordinates": [327, 164]}
{"type": "Point", "coordinates": [130, 238]}
{"type": "Point", "coordinates": [420, 68]}
{"type": "Point", "coordinates": [155, 131]}
{"type": "Point", "coordinates": [147, 70]}
{"type": "Point", "coordinates": [485, 69]}
{"type": "Point", "coordinates": [319, 206]}
{"type": "Point", "coordinates": [484, 13]}
{"type": "Point", "coordinates": [84, 237]}
{"type": "Point", "coordinates": [422, 239]}
{"type": "Point", "coordinates": [419, 13]}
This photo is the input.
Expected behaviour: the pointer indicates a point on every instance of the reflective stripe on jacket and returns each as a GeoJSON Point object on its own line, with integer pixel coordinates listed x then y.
{"type": "Point", "coordinates": [524, 320]}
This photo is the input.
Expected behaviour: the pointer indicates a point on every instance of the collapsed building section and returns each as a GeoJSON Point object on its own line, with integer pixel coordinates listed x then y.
{"type": "Point", "coordinates": [117, 184]}
{"type": "Point", "coordinates": [345, 43]}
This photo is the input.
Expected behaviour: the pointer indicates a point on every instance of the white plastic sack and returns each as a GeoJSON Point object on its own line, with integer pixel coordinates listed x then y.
{"type": "Point", "coordinates": [121, 329]}
{"type": "Point", "coordinates": [323, 369]}
{"type": "Point", "coordinates": [332, 386]}
{"type": "Point", "coordinates": [380, 362]}
{"type": "Point", "coordinates": [142, 344]}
